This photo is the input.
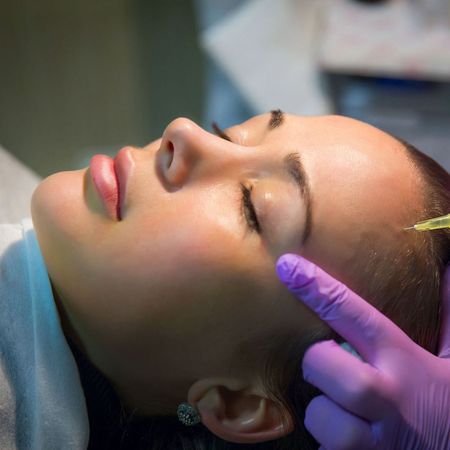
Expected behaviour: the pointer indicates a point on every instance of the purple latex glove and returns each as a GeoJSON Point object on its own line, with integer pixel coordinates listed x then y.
{"type": "Point", "coordinates": [399, 398]}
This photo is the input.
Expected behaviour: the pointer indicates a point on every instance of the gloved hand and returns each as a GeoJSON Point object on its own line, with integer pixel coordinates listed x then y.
{"type": "Point", "coordinates": [397, 398]}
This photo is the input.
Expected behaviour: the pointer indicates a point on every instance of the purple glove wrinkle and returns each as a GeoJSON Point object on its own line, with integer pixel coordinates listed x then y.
{"type": "Point", "coordinates": [397, 398]}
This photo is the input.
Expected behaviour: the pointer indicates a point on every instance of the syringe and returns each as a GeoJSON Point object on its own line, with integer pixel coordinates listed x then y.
{"type": "Point", "coordinates": [437, 223]}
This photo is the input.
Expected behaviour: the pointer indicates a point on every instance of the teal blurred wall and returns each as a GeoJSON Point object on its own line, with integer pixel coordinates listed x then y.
{"type": "Point", "coordinates": [82, 77]}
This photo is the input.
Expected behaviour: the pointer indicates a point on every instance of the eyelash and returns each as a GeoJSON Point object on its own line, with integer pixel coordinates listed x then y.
{"type": "Point", "coordinates": [249, 210]}
{"type": "Point", "coordinates": [247, 207]}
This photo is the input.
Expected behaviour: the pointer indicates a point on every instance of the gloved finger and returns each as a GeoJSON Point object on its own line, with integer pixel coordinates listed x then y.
{"type": "Point", "coordinates": [358, 322]}
{"type": "Point", "coordinates": [351, 383]}
{"type": "Point", "coordinates": [334, 428]}
{"type": "Point", "coordinates": [444, 341]}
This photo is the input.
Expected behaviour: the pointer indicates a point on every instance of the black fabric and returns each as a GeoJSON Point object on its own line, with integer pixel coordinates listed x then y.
{"type": "Point", "coordinates": [112, 427]}
{"type": "Point", "coordinates": [106, 414]}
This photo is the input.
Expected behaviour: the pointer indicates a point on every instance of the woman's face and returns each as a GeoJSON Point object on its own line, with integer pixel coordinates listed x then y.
{"type": "Point", "coordinates": [186, 277]}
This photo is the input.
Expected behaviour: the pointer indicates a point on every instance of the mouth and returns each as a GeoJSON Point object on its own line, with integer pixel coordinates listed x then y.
{"type": "Point", "coordinates": [110, 178]}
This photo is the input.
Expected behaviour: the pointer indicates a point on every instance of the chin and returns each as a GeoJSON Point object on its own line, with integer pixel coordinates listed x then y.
{"type": "Point", "coordinates": [58, 205]}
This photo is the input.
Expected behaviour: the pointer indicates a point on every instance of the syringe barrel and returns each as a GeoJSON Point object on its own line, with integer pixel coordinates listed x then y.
{"type": "Point", "coordinates": [434, 224]}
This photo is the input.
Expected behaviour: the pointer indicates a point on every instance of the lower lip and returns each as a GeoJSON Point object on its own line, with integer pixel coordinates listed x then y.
{"type": "Point", "coordinates": [106, 183]}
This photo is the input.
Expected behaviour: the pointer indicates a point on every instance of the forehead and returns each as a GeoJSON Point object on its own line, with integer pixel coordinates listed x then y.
{"type": "Point", "coordinates": [364, 188]}
{"type": "Point", "coordinates": [340, 153]}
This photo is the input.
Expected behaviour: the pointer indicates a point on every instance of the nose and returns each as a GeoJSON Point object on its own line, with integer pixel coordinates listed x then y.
{"type": "Point", "coordinates": [185, 152]}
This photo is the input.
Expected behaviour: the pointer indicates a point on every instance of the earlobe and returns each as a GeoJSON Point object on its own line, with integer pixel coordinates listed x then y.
{"type": "Point", "coordinates": [238, 413]}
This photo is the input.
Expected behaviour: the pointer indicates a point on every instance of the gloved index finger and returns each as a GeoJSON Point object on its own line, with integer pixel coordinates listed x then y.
{"type": "Point", "coordinates": [358, 322]}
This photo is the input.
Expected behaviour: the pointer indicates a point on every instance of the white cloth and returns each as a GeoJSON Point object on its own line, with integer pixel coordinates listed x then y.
{"type": "Point", "coordinates": [17, 183]}
{"type": "Point", "coordinates": [42, 405]}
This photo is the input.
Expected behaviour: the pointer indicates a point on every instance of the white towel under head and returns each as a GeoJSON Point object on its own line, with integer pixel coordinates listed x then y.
{"type": "Point", "coordinates": [42, 405]}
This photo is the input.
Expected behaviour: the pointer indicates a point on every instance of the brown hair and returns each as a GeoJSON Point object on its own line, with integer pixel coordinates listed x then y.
{"type": "Point", "coordinates": [403, 282]}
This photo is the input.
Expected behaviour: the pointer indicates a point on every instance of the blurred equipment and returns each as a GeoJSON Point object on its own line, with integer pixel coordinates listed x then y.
{"type": "Point", "coordinates": [371, 2]}
{"type": "Point", "coordinates": [433, 11]}
{"type": "Point", "coordinates": [389, 65]}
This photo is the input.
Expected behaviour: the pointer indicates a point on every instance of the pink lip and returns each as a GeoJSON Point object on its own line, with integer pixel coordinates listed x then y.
{"type": "Point", "coordinates": [110, 177]}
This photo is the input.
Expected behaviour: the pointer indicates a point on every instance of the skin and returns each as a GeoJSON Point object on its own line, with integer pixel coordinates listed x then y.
{"type": "Point", "coordinates": [164, 301]}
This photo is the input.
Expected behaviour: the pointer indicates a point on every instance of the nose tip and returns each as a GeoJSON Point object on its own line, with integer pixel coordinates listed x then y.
{"type": "Point", "coordinates": [176, 155]}
{"type": "Point", "coordinates": [179, 126]}
{"type": "Point", "coordinates": [180, 132]}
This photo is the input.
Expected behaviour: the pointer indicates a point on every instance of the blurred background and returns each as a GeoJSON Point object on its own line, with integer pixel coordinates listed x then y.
{"type": "Point", "coordinates": [80, 78]}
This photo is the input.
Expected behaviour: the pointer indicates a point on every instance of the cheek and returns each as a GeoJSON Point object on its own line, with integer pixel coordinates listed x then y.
{"type": "Point", "coordinates": [165, 252]}
{"type": "Point", "coordinates": [159, 291]}
{"type": "Point", "coordinates": [182, 233]}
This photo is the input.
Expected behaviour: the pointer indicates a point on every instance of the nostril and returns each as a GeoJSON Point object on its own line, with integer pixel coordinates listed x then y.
{"type": "Point", "coordinates": [170, 153]}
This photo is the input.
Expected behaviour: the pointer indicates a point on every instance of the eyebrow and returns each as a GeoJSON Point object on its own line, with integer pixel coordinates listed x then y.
{"type": "Point", "coordinates": [276, 118]}
{"type": "Point", "coordinates": [294, 167]}
{"type": "Point", "coordinates": [296, 170]}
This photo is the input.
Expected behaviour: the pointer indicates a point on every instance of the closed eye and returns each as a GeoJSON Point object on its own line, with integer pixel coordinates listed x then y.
{"type": "Point", "coordinates": [247, 207]}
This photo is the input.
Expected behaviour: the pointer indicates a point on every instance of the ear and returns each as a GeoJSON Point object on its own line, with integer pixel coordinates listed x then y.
{"type": "Point", "coordinates": [238, 412]}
